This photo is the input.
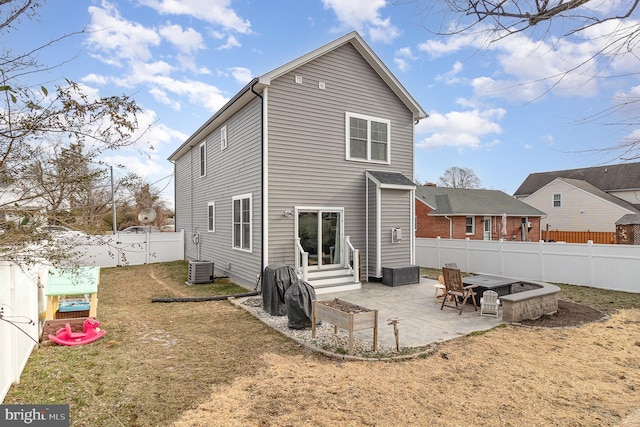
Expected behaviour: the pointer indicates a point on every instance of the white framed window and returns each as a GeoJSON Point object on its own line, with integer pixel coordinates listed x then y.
{"type": "Point", "coordinates": [557, 200]}
{"type": "Point", "coordinates": [223, 137]}
{"type": "Point", "coordinates": [242, 222]}
{"type": "Point", "coordinates": [211, 217]}
{"type": "Point", "coordinates": [368, 138]}
{"type": "Point", "coordinates": [203, 159]}
{"type": "Point", "coordinates": [470, 225]}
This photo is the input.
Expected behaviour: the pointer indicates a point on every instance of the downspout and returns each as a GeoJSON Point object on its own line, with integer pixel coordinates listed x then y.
{"type": "Point", "coordinates": [264, 214]}
{"type": "Point", "coordinates": [450, 227]}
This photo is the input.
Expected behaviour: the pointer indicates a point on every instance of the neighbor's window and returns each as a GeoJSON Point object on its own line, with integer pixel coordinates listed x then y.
{"type": "Point", "coordinates": [242, 222]}
{"type": "Point", "coordinates": [223, 137]}
{"type": "Point", "coordinates": [470, 229]}
{"type": "Point", "coordinates": [211, 217]}
{"type": "Point", "coordinates": [203, 159]}
{"type": "Point", "coordinates": [557, 200]}
{"type": "Point", "coordinates": [367, 138]}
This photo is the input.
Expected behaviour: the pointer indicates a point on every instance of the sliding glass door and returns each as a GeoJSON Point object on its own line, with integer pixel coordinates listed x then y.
{"type": "Point", "coordinates": [321, 232]}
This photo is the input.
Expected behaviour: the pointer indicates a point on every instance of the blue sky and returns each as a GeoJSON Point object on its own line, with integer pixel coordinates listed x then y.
{"type": "Point", "coordinates": [491, 107]}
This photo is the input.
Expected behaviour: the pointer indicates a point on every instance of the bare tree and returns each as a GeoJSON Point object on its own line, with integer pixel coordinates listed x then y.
{"type": "Point", "coordinates": [513, 16]}
{"type": "Point", "coordinates": [36, 120]}
{"type": "Point", "coordinates": [456, 177]}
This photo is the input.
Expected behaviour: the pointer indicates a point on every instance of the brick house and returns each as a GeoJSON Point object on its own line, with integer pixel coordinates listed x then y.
{"type": "Point", "coordinates": [456, 213]}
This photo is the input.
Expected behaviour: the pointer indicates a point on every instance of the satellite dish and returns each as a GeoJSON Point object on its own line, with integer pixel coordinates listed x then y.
{"type": "Point", "coordinates": [147, 215]}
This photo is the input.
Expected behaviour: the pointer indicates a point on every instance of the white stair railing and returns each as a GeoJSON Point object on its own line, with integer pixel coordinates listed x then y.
{"type": "Point", "coordinates": [353, 254]}
{"type": "Point", "coordinates": [301, 260]}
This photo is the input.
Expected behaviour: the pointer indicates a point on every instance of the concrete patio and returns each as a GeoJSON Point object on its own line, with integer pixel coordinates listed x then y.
{"type": "Point", "coordinates": [421, 321]}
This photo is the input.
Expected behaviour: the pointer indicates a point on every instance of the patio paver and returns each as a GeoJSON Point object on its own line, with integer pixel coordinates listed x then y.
{"type": "Point", "coordinates": [421, 320]}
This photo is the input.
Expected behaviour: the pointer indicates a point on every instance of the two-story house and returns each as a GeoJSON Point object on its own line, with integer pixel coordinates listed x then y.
{"type": "Point", "coordinates": [309, 165]}
{"type": "Point", "coordinates": [587, 199]}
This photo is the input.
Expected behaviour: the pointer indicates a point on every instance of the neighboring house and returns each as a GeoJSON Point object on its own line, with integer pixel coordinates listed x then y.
{"type": "Point", "coordinates": [457, 213]}
{"type": "Point", "coordinates": [311, 161]}
{"type": "Point", "coordinates": [576, 205]}
{"type": "Point", "coordinates": [589, 199]}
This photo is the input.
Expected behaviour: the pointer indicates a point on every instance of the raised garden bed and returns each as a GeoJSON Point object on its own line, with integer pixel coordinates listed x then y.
{"type": "Point", "coordinates": [345, 315]}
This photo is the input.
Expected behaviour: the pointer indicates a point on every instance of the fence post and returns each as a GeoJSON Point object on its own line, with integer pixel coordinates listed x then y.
{"type": "Point", "coordinates": [468, 253]}
{"type": "Point", "coordinates": [541, 258]}
{"type": "Point", "coordinates": [590, 261]}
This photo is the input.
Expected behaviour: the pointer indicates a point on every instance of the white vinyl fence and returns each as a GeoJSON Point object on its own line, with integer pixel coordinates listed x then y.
{"type": "Point", "coordinates": [22, 301]}
{"type": "Point", "coordinates": [614, 267]}
{"type": "Point", "coordinates": [133, 249]}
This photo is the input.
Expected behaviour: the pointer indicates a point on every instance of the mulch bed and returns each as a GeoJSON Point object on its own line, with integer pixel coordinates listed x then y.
{"type": "Point", "coordinates": [568, 314]}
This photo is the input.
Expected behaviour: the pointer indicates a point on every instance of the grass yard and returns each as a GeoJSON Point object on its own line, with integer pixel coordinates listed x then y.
{"type": "Point", "coordinates": [213, 364]}
{"type": "Point", "coordinates": [156, 359]}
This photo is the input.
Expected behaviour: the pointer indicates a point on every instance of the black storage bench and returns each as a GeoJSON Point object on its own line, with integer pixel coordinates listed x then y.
{"type": "Point", "coordinates": [397, 276]}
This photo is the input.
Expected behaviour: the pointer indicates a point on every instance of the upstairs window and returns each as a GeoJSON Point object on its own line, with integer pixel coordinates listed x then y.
{"type": "Point", "coordinates": [470, 228]}
{"type": "Point", "coordinates": [557, 200]}
{"type": "Point", "coordinates": [203, 159]}
{"type": "Point", "coordinates": [368, 138]}
{"type": "Point", "coordinates": [223, 138]}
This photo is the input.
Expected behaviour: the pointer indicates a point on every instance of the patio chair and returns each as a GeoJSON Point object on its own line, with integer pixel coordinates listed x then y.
{"type": "Point", "coordinates": [489, 303]}
{"type": "Point", "coordinates": [455, 289]}
{"type": "Point", "coordinates": [440, 290]}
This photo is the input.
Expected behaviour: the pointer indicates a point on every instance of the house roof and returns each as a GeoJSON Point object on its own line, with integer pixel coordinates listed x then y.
{"type": "Point", "coordinates": [464, 201]}
{"type": "Point", "coordinates": [591, 189]}
{"type": "Point", "coordinates": [624, 176]}
{"type": "Point", "coordinates": [391, 179]}
{"type": "Point", "coordinates": [250, 91]}
{"type": "Point", "coordinates": [629, 219]}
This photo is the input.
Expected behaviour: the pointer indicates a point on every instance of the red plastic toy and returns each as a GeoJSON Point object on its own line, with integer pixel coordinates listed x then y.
{"type": "Point", "coordinates": [90, 332]}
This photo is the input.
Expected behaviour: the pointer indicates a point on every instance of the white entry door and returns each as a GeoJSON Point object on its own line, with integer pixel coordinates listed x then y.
{"type": "Point", "coordinates": [487, 228]}
{"type": "Point", "coordinates": [321, 234]}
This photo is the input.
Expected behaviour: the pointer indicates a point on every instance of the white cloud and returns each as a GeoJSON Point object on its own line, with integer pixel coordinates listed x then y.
{"type": "Point", "coordinates": [187, 41]}
{"type": "Point", "coordinates": [402, 57]}
{"type": "Point", "coordinates": [93, 78]}
{"type": "Point", "coordinates": [364, 16]}
{"type": "Point", "coordinates": [162, 97]}
{"type": "Point", "coordinates": [241, 74]}
{"type": "Point", "coordinates": [460, 129]}
{"type": "Point", "coordinates": [118, 38]}
{"type": "Point", "coordinates": [526, 69]}
{"type": "Point", "coordinates": [216, 12]}
{"type": "Point", "coordinates": [451, 76]}
{"type": "Point", "coordinates": [232, 42]}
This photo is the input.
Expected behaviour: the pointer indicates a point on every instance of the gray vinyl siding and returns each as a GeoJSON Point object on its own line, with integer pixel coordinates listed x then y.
{"type": "Point", "coordinates": [230, 172]}
{"type": "Point", "coordinates": [306, 137]}
{"type": "Point", "coordinates": [396, 212]}
{"type": "Point", "coordinates": [371, 230]}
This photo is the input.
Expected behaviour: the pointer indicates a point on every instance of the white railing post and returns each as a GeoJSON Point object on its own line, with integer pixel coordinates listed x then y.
{"type": "Point", "coordinates": [301, 260]}
{"type": "Point", "coordinates": [356, 266]}
{"type": "Point", "coordinates": [352, 253]}
{"type": "Point", "coordinates": [296, 254]}
{"type": "Point", "coordinates": [305, 266]}
{"type": "Point", "coordinates": [347, 246]}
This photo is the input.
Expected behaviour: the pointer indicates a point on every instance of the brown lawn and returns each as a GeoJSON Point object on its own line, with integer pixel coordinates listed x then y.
{"type": "Point", "coordinates": [213, 364]}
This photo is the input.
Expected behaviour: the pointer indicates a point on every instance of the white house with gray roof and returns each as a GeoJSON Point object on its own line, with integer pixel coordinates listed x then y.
{"type": "Point", "coordinates": [577, 205]}
{"type": "Point", "coordinates": [309, 165]}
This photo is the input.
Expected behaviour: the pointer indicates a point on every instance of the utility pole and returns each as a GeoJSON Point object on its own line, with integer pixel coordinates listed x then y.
{"type": "Point", "coordinates": [113, 202]}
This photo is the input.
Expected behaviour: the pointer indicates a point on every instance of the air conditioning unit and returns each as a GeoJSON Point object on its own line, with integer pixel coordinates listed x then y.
{"type": "Point", "coordinates": [200, 272]}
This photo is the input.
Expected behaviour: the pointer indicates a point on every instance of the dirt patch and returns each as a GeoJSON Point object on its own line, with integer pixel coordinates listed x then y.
{"type": "Point", "coordinates": [568, 314]}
